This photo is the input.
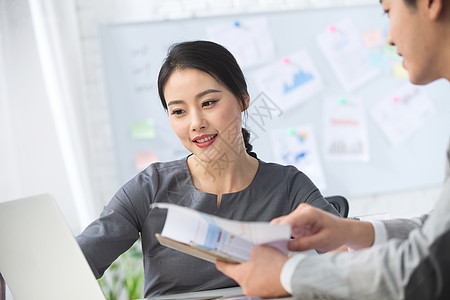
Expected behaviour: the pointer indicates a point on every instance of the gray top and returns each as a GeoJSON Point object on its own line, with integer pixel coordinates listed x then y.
{"type": "Point", "coordinates": [413, 264]}
{"type": "Point", "coordinates": [275, 190]}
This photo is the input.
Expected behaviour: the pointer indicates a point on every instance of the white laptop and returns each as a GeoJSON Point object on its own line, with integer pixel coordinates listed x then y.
{"type": "Point", "coordinates": [39, 257]}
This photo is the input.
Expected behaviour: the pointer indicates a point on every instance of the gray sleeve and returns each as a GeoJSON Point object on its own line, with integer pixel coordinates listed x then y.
{"type": "Point", "coordinates": [105, 239]}
{"type": "Point", "coordinates": [119, 224]}
{"type": "Point", "coordinates": [400, 228]}
{"type": "Point", "coordinates": [383, 271]}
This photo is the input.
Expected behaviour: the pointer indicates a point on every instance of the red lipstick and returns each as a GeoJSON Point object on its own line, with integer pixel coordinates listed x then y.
{"type": "Point", "coordinates": [204, 140]}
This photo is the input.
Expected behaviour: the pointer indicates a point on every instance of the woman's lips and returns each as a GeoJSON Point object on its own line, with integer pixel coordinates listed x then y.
{"type": "Point", "coordinates": [204, 140]}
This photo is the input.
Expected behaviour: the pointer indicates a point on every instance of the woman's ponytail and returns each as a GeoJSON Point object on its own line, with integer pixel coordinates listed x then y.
{"type": "Point", "coordinates": [248, 146]}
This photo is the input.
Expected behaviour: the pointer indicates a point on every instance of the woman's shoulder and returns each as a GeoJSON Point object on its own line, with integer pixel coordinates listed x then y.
{"type": "Point", "coordinates": [271, 173]}
{"type": "Point", "coordinates": [157, 172]}
{"type": "Point", "coordinates": [270, 167]}
{"type": "Point", "coordinates": [149, 181]}
{"type": "Point", "coordinates": [166, 167]}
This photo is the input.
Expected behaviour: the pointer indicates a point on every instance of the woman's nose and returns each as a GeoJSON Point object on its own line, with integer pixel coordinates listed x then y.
{"type": "Point", "coordinates": [198, 121]}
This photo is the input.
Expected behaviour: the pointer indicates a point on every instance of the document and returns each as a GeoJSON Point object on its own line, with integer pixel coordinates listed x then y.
{"type": "Point", "coordinates": [210, 237]}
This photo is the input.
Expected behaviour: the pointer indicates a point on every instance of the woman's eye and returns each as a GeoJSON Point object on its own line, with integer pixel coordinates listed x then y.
{"type": "Point", "coordinates": [209, 103]}
{"type": "Point", "coordinates": [177, 111]}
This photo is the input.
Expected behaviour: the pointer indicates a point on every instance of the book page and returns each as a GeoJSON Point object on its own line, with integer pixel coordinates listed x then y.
{"type": "Point", "coordinates": [190, 226]}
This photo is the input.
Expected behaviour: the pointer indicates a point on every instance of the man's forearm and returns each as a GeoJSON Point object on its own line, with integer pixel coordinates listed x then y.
{"type": "Point", "coordinates": [360, 234]}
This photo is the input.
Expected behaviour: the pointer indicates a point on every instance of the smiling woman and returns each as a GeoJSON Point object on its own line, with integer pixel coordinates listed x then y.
{"type": "Point", "coordinates": [204, 92]}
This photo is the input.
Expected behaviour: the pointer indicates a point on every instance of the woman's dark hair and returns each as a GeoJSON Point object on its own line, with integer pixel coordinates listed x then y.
{"type": "Point", "coordinates": [210, 58]}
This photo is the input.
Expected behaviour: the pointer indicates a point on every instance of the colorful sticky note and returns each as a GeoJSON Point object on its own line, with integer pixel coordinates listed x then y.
{"type": "Point", "coordinates": [143, 130]}
{"type": "Point", "coordinates": [372, 38]}
{"type": "Point", "coordinates": [342, 101]}
{"type": "Point", "coordinates": [377, 59]}
{"type": "Point", "coordinates": [291, 131]}
{"type": "Point", "coordinates": [389, 50]}
{"type": "Point", "coordinates": [399, 72]}
{"type": "Point", "coordinates": [143, 159]}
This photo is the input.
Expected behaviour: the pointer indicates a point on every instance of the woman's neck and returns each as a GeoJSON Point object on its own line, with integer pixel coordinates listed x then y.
{"type": "Point", "coordinates": [222, 176]}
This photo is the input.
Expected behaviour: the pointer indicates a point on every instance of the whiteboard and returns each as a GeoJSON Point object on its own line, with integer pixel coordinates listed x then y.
{"type": "Point", "coordinates": [132, 54]}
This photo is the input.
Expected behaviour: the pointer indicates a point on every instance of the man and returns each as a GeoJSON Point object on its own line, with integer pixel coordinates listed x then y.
{"type": "Point", "coordinates": [402, 259]}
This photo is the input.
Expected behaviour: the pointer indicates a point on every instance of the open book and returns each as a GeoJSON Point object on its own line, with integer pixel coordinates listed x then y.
{"type": "Point", "coordinates": [210, 237]}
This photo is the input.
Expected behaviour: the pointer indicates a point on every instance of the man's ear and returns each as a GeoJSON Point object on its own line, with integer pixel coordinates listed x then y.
{"type": "Point", "coordinates": [435, 8]}
{"type": "Point", "coordinates": [246, 102]}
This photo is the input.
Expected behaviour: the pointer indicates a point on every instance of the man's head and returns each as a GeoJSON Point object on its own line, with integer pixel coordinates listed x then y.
{"type": "Point", "coordinates": [420, 29]}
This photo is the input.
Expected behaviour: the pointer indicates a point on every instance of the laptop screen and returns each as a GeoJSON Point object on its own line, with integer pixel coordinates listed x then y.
{"type": "Point", "coordinates": [39, 257]}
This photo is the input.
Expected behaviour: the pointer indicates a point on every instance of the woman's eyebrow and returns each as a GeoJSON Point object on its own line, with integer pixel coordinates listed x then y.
{"type": "Point", "coordinates": [174, 102]}
{"type": "Point", "coordinates": [209, 91]}
{"type": "Point", "coordinates": [199, 95]}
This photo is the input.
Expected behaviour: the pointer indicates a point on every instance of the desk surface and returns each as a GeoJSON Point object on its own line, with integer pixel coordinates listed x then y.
{"type": "Point", "coordinates": [222, 294]}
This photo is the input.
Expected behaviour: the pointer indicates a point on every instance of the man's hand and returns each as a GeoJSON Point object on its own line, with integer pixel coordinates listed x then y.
{"type": "Point", "coordinates": [313, 228]}
{"type": "Point", "coordinates": [259, 276]}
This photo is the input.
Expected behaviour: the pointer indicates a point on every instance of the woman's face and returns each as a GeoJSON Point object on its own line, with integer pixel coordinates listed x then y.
{"type": "Point", "coordinates": [205, 115]}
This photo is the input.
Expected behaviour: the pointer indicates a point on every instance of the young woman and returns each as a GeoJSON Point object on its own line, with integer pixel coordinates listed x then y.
{"type": "Point", "coordinates": [204, 92]}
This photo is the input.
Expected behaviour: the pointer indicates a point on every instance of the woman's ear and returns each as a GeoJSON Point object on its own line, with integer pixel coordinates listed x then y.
{"type": "Point", "coordinates": [246, 102]}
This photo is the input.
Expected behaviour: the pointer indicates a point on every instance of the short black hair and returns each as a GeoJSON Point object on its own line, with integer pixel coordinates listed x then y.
{"type": "Point", "coordinates": [411, 3]}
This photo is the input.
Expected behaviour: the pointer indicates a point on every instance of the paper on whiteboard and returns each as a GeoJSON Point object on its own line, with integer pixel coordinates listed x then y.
{"type": "Point", "coordinates": [343, 48]}
{"type": "Point", "coordinates": [247, 39]}
{"type": "Point", "coordinates": [345, 130]}
{"type": "Point", "coordinates": [400, 114]}
{"type": "Point", "coordinates": [290, 81]}
{"type": "Point", "coordinates": [297, 147]}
